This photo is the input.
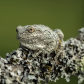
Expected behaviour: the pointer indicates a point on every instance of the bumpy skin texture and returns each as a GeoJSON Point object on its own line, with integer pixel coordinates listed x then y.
{"type": "Point", "coordinates": [37, 37]}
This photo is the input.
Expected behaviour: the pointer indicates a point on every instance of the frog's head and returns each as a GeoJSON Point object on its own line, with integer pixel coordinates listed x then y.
{"type": "Point", "coordinates": [37, 37]}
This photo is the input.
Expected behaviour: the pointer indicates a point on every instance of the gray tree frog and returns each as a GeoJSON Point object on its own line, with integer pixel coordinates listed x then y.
{"type": "Point", "coordinates": [37, 37]}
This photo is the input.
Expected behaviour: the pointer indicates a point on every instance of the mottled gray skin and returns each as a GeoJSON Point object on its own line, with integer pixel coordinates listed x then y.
{"type": "Point", "coordinates": [43, 38]}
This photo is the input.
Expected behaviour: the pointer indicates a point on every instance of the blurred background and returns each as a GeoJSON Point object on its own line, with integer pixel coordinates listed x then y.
{"type": "Point", "coordinates": [67, 15]}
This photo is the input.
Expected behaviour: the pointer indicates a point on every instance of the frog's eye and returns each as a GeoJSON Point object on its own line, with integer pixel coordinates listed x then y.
{"type": "Point", "coordinates": [30, 30]}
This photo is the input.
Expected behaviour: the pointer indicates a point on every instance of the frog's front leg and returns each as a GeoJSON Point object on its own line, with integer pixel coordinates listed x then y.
{"type": "Point", "coordinates": [61, 44]}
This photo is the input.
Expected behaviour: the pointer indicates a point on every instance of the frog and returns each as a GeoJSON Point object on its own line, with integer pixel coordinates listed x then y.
{"type": "Point", "coordinates": [37, 37]}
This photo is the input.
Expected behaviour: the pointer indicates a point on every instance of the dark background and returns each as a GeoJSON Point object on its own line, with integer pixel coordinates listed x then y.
{"type": "Point", "coordinates": [67, 15]}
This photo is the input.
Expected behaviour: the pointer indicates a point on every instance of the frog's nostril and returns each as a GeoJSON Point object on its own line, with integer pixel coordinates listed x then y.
{"type": "Point", "coordinates": [16, 30]}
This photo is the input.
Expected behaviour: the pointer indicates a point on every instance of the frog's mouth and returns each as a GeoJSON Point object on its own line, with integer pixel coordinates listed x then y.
{"type": "Point", "coordinates": [32, 46]}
